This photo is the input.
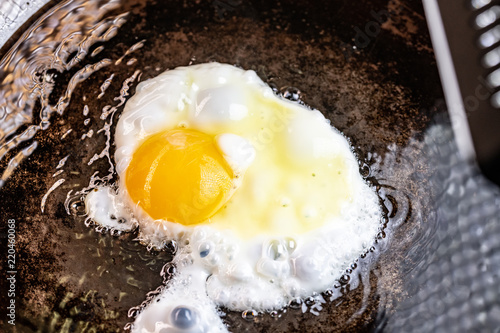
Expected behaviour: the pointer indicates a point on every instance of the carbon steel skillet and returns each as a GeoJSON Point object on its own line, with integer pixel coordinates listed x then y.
{"type": "Point", "coordinates": [368, 65]}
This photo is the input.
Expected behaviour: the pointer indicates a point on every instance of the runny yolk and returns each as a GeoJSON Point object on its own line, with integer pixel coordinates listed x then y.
{"type": "Point", "coordinates": [180, 176]}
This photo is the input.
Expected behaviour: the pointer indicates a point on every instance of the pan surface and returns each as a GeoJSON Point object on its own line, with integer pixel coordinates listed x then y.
{"type": "Point", "coordinates": [368, 65]}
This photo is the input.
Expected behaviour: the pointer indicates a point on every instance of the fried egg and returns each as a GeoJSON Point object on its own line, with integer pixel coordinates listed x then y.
{"type": "Point", "coordinates": [262, 195]}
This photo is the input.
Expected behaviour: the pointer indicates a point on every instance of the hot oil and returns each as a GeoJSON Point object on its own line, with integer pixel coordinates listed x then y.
{"type": "Point", "coordinates": [66, 84]}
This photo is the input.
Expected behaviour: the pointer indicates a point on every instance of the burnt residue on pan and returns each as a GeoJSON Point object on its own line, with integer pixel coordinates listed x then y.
{"type": "Point", "coordinates": [368, 65]}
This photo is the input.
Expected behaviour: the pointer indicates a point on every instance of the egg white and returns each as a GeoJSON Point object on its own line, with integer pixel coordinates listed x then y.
{"type": "Point", "coordinates": [305, 236]}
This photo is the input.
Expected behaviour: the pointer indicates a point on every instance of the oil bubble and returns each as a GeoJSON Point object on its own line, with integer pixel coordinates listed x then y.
{"type": "Point", "coordinates": [291, 93]}
{"type": "Point", "coordinates": [249, 315]}
{"type": "Point", "coordinates": [295, 303]}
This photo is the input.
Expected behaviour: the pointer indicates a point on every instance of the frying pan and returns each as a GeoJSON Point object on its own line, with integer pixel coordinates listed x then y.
{"type": "Point", "coordinates": [367, 65]}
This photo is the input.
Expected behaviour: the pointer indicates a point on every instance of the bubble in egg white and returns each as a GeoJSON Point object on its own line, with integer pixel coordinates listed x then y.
{"type": "Point", "coordinates": [214, 105]}
{"type": "Point", "coordinates": [300, 214]}
{"type": "Point", "coordinates": [238, 152]}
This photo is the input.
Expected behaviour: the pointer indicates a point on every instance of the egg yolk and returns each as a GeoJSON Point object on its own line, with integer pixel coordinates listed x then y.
{"type": "Point", "coordinates": [180, 176]}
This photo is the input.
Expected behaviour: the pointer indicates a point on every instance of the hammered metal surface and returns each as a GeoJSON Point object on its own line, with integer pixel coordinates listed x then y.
{"type": "Point", "coordinates": [456, 287]}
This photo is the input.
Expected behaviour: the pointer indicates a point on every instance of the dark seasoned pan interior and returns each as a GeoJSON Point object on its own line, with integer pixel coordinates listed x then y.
{"type": "Point", "coordinates": [367, 65]}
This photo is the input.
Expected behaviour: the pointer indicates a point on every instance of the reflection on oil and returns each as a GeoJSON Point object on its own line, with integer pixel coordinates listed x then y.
{"type": "Point", "coordinates": [57, 42]}
{"type": "Point", "coordinates": [453, 281]}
